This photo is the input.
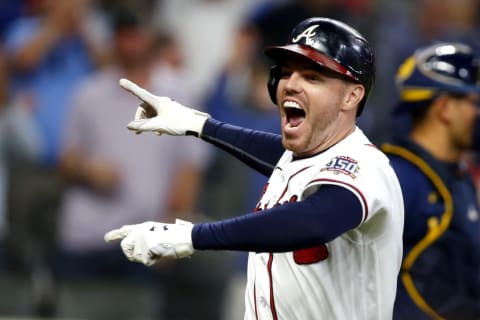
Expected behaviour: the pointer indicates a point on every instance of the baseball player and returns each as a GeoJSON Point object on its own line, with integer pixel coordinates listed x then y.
{"type": "Point", "coordinates": [439, 91]}
{"type": "Point", "coordinates": [325, 239]}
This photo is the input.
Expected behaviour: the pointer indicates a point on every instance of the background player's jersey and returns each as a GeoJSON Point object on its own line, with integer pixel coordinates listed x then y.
{"type": "Point", "coordinates": [355, 275]}
{"type": "Point", "coordinates": [441, 266]}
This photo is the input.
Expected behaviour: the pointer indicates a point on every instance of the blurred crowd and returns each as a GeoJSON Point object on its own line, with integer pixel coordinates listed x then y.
{"type": "Point", "coordinates": [70, 170]}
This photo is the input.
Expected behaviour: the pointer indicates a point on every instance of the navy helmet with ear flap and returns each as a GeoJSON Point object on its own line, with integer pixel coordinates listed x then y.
{"type": "Point", "coordinates": [444, 67]}
{"type": "Point", "coordinates": [331, 44]}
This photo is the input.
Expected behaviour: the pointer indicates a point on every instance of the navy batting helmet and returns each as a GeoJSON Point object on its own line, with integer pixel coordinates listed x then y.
{"type": "Point", "coordinates": [331, 44]}
{"type": "Point", "coordinates": [436, 69]}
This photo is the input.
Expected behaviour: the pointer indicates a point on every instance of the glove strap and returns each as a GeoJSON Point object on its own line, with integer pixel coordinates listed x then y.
{"type": "Point", "coordinates": [183, 246]}
{"type": "Point", "coordinates": [197, 123]}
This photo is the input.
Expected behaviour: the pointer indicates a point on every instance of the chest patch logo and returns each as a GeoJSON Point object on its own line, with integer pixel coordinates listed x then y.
{"type": "Point", "coordinates": [343, 164]}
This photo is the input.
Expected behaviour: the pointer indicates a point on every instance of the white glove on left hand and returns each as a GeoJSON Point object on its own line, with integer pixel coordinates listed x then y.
{"type": "Point", "coordinates": [149, 241]}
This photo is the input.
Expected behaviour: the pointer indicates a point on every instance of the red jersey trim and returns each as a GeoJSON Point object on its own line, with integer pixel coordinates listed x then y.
{"type": "Point", "coordinates": [270, 279]}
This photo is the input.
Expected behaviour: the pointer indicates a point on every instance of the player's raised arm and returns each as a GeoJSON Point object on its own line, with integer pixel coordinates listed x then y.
{"type": "Point", "coordinates": [162, 115]}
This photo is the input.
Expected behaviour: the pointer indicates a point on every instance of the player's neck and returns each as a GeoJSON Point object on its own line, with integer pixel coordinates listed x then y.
{"type": "Point", "coordinates": [438, 144]}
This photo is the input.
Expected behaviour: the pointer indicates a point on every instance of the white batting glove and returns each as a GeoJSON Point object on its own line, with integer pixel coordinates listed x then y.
{"type": "Point", "coordinates": [163, 115]}
{"type": "Point", "coordinates": [148, 242]}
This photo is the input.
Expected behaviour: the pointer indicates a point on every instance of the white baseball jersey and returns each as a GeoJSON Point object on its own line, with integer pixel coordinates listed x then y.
{"type": "Point", "coordinates": [351, 277]}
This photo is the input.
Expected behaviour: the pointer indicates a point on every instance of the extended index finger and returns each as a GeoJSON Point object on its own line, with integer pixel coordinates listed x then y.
{"type": "Point", "coordinates": [118, 234]}
{"type": "Point", "coordinates": [141, 93]}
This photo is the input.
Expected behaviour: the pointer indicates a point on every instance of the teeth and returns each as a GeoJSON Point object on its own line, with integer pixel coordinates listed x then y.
{"type": "Point", "coordinates": [291, 104]}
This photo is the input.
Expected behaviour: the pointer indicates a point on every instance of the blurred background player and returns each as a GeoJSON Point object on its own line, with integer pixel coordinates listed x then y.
{"type": "Point", "coordinates": [50, 47]}
{"type": "Point", "coordinates": [108, 184]}
{"type": "Point", "coordinates": [439, 91]}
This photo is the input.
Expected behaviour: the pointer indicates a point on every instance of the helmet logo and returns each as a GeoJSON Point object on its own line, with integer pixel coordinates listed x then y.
{"type": "Point", "coordinates": [308, 34]}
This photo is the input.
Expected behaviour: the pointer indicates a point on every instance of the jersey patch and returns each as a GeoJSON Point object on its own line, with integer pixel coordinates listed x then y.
{"type": "Point", "coordinates": [343, 164]}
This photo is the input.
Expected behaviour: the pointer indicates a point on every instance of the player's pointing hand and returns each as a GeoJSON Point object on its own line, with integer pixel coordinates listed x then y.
{"type": "Point", "coordinates": [162, 114]}
{"type": "Point", "coordinates": [148, 242]}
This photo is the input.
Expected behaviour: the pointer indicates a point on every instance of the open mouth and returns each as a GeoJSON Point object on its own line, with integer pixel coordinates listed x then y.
{"type": "Point", "coordinates": [294, 113]}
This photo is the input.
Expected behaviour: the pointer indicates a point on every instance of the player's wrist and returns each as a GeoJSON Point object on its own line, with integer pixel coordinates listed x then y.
{"type": "Point", "coordinates": [183, 244]}
{"type": "Point", "coordinates": [197, 123]}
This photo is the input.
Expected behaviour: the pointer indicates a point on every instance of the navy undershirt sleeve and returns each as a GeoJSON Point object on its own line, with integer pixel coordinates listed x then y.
{"type": "Point", "coordinates": [259, 150]}
{"type": "Point", "coordinates": [323, 216]}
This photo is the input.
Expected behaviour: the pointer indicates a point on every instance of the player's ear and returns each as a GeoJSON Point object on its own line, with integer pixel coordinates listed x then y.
{"type": "Point", "coordinates": [442, 108]}
{"type": "Point", "coordinates": [354, 94]}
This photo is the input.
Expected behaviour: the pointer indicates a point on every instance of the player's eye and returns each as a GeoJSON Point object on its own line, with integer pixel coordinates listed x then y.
{"type": "Point", "coordinates": [285, 73]}
{"type": "Point", "coordinates": [312, 76]}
